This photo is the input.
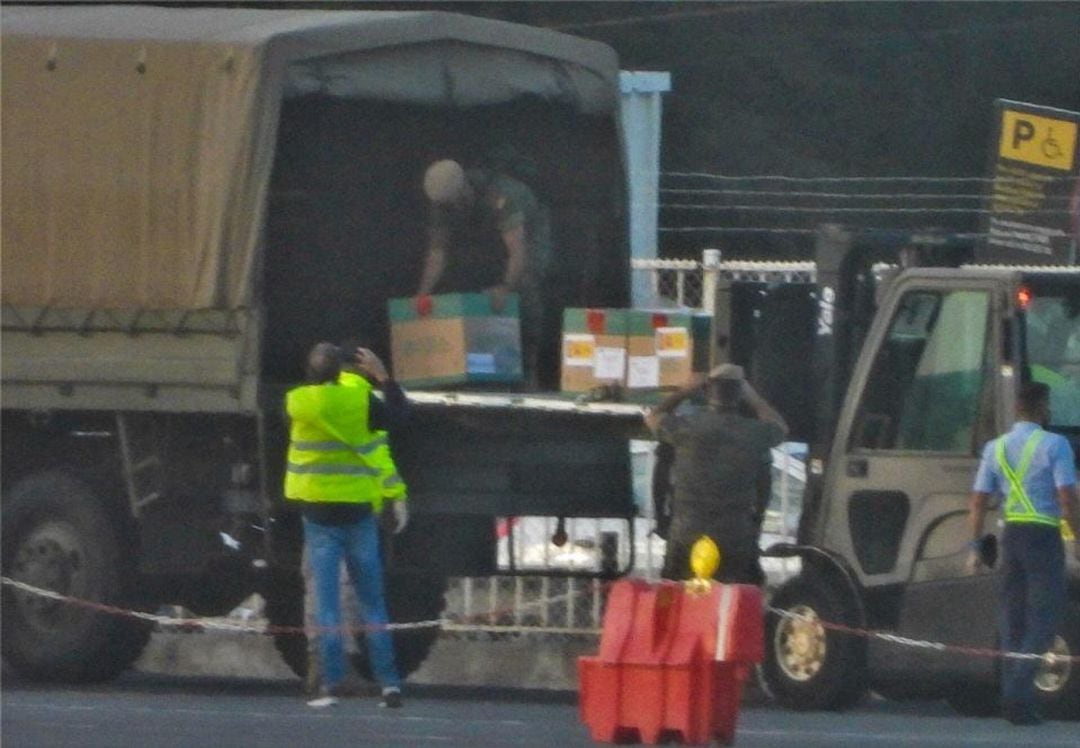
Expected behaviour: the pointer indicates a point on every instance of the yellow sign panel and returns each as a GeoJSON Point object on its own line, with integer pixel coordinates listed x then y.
{"type": "Point", "coordinates": [1037, 140]}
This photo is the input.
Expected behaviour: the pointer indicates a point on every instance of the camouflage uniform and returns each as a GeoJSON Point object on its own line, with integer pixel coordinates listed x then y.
{"type": "Point", "coordinates": [716, 483]}
{"type": "Point", "coordinates": [476, 253]}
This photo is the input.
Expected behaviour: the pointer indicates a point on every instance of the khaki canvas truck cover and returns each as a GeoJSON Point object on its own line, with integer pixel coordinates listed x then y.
{"type": "Point", "coordinates": [138, 141]}
{"type": "Point", "coordinates": [137, 150]}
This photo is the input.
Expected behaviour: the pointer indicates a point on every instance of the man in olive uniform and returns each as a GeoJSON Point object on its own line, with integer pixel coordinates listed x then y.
{"type": "Point", "coordinates": [488, 232]}
{"type": "Point", "coordinates": [717, 470]}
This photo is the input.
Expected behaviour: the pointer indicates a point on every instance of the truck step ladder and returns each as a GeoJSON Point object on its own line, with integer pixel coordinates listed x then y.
{"type": "Point", "coordinates": [140, 447]}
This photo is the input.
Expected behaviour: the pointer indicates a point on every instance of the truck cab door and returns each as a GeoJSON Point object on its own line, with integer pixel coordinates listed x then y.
{"type": "Point", "coordinates": [920, 405]}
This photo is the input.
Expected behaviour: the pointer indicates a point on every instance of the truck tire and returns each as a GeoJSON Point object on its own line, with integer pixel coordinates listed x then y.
{"type": "Point", "coordinates": [806, 665]}
{"type": "Point", "coordinates": [284, 595]}
{"type": "Point", "coordinates": [57, 535]}
{"type": "Point", "coordinates": [409, 597]}
{"type": "Point", "coordinates": [1059, 685]}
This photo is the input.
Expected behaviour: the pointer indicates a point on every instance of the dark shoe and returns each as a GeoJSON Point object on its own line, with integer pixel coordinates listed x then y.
{"type": "Point", "coordinates": [391, 698]}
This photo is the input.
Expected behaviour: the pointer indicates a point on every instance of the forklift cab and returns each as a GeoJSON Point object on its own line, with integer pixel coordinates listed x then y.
{"type": "Point", "coordinates": [936, 380]}
{"type": "Point", "coordinates": [905, 404]}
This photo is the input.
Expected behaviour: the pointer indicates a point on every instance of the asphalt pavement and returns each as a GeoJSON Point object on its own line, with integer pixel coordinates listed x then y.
{"type": "Point", "coordinates": [147, 710]}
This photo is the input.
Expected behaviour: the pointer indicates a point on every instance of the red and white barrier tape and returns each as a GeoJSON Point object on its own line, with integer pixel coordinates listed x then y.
{"type": "Point", "coordinates": [1049, 658]}
{"type": "Point", "coordinates": [199, 624]}
{"type": "Point", "coordinates": [219, 624]}
{"type": "Point", "coordinates": [243, 627]}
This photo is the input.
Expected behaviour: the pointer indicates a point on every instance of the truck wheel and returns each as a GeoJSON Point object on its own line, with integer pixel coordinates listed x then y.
{"type": "Point", "coordinates": [284, 595]}
{"type": "Point", "coordinates": [806, 665]}
{"type": "Point", "coordinates": [409, 597]}
{"type": "Point", "coordinates": [1059, 684]}
{"type": "Point", "coordinates": [58, 536]}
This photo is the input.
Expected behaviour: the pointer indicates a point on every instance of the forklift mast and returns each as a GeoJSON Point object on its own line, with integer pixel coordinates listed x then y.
{"type": "Point", "coordinates": [852, 267]}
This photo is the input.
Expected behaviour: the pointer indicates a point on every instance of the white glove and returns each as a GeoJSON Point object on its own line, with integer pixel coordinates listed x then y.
{"type": "Point", "coordinates": [401, 515]}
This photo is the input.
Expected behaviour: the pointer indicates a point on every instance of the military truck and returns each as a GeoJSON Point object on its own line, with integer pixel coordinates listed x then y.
{"type": "Point", "coordinates": [917, 354]}
{"type": "Point", "coordinates": [192, 198]}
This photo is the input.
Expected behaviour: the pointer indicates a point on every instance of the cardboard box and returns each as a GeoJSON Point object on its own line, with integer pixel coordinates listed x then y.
{"type": "Point", "coordinates": [660, 349]}
{"type": "Point", "coordinates": [593, 348]}
{"type": "Point", "coordinates": [454, 339]}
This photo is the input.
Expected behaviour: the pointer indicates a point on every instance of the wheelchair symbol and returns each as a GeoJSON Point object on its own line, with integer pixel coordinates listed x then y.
{"type": "Point", "coordinates": [1050, 147]}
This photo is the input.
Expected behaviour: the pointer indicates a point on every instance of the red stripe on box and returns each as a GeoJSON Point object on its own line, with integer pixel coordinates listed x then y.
{"type": "Point", "coordinates": [595, 320]}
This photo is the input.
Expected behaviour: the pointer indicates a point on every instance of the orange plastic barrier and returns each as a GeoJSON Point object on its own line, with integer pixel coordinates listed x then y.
{"type": "Point", "coordinates": [672, 662]}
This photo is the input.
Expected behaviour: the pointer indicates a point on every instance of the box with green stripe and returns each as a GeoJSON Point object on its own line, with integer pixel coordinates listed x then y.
{"type": "Point", "coordinates": [452, 339]}
{"type": "Point", "coordinates": [593, 348]}
{"type": "Point", "coordinates": [661, 347]}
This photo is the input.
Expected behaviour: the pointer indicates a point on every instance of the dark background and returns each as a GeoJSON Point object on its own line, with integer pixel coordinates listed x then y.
{"type": "Point", "coordinates": [818, 89]}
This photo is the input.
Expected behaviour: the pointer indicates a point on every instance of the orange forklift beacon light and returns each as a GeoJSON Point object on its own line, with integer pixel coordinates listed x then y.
{"type": "Point", "coordinates": [1024, 297]}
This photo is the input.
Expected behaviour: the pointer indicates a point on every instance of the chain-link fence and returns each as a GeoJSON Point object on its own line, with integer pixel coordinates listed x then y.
{"type": "Point", "coordinates": [673, 283]}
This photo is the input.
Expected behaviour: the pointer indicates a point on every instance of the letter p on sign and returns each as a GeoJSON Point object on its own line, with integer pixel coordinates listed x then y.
{"type": "Point", "coordinates": [1037, 140]}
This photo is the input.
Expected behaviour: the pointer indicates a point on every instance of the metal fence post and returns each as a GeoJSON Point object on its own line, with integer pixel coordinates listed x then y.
{"type": "Point", "coordinates": [710, 272]}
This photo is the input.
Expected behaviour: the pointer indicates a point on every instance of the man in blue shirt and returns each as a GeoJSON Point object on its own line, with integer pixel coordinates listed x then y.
{"type": "Point", "coordinates": [1034, 470]}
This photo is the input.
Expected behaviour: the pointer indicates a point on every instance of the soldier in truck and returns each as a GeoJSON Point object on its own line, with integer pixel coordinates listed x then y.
{"type": "Point", "coordinates": [488, 232]}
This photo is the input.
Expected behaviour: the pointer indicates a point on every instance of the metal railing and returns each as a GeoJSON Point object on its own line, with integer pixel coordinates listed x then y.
{"type": "Point", "coordinates": [574, 605]}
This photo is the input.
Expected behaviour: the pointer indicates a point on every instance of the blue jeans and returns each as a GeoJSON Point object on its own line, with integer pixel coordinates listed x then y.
{"type": "Point", "coordinates": [358, 545]}
{"type": "Point", "coordinates": [1033, 603]}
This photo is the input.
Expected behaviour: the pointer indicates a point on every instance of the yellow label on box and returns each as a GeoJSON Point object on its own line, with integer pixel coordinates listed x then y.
{"type": "Point", "coordinates": [1042, 141]}
{"type": "Point", "coordinates": [672, 342]}
{"type": "Point", "coordinates": [579, 350]}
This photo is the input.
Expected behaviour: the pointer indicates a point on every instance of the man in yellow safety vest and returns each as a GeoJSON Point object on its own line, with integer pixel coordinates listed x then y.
{"type": "Point", "coordinates": [333, 471]}
{"type": "Point", "coordinates": [394, 490]}
{"type": "Point", "coordinates": [1035, 471]}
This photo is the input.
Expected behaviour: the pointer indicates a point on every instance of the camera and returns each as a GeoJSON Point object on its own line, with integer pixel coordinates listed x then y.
{"type": "Point", "coordinates": [346, 355]}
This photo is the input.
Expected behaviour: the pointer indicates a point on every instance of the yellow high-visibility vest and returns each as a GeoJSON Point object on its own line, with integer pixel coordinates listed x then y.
{"type": "Point", "coordinates": [331, 448]}
{"type": "Point", "coordinates": [1018, 505]}
{"type": "Point", "coordinates": [394, 488]}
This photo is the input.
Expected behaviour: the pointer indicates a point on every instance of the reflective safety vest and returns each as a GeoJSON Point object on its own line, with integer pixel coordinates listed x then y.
{"type": "Point", "coordinates": [331, 449]}
{"type": "Point", "coordinates": [394, 487]}
{"type": "Point", "coordinates": [1018, 505]}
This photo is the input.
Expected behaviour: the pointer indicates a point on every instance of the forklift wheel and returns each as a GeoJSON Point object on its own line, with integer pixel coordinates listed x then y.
{"type": "Point", "coordinates": [1059, 683]}
{"type": "Point", "coordinates": [809, 666]}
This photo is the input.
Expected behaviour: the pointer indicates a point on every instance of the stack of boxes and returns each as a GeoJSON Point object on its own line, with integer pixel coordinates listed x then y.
{"type": "Point", "coordinates": [455, 339]}
{"type": "Point", "coordinates": [635, 348]}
